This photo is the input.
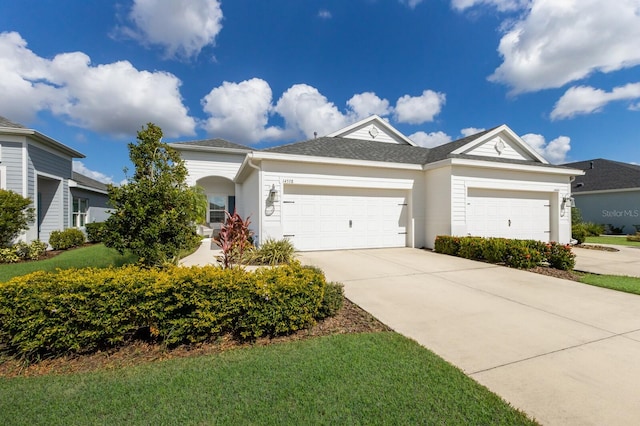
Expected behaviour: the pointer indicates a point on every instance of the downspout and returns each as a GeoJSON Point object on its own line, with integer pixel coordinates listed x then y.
{"type": "Point", "coordinates": [259, 169]}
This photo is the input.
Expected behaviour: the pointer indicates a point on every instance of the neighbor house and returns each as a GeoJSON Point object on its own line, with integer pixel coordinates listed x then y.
{"type": "Point", "coordinates": [369, 186]}
{"type": "Point", "coordinates": [608, 193]}
{"type": "Point", "coordinates": [40, 168]}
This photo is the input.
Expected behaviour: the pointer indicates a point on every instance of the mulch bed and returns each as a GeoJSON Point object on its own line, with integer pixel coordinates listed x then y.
{"type": "Point", "coordinates": [596, 247]}
{"type": "Point", "coordinates": [350, 319]}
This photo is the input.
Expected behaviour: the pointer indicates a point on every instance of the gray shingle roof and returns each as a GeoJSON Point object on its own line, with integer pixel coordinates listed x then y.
{"type": "Point", "coordinates": [88, 182]}
{"type": "Point", "coordinates": [601, 174]}
{"type": "Point", "coordinates": [444, 151]}
{"type": "Point", "coordinates": [355, 149]}
{"type": "Point", "coordinates": [5, 122]}
{"type": "Point", "coordinates": [214, 143]}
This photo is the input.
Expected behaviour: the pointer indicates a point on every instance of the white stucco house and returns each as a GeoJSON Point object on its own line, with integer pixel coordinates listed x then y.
{"type": "Point", "coordinates": [41, 168]}
{"type": "Point", "coordinates": [369, 186]}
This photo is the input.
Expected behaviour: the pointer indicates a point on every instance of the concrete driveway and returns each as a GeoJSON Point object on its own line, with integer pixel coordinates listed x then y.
{"type": "Point", "coordinates": [625, 261]}
{"type": "Point", "coordinates": [564, 352]}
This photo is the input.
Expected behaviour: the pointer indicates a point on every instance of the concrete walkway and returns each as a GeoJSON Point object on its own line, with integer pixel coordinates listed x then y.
{"type": "Point", "coordinates": [625, 261]}
{"type": "Point", "coordinates": [205, 255]}
{"type": "Point", "coordinates": [564, 352]}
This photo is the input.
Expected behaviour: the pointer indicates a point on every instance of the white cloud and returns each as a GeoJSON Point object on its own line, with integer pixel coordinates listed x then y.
{"type": "Point", "coordinates": [555, 151]}
{"type": "Point", "coordinates": [411, 3]}
{"type": "Point", "coordinates": [305, 111]}
{"type": "Point", "coordinates": [324, 14]}
{"type": "Point", "coordinates": [112, 98]}
{"type": "Point", "coordinates": [368, 103]}
{"type": "Point", "coordinates": [586, 99]}
{"type": "Point", "coordinates": [182, 27]}
{"type": "Point", "coordinates": [240, 111]}
{"type": "Point", "coordinates": [468, 131]}
{"type": "Point", "coordinates": [419, 109]}
{"type": "Point", "coordinates": [79, 167]}
{"type": "Point", "coordinates": [500, 5]}
{"type": "Point", "coordinates": [556, 42]}
{"type": "Point", "coordinates": [429, 140]}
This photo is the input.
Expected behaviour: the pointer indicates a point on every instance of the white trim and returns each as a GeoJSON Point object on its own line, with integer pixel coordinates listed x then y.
{"type": "Point", "coordinates": [74, 184]}
{"type": "Point", "coordinates": [379, 122]}
{"type": "Point", "coordinates": [25, 174]}
{"type": "Point", "coordinates": [3, 177]}
{"type": "Point", "coordinates": [488, 164]}
{"type": "Point", "coordinates": [604, 191]}
{"type": "Point", "coordinates": [490, 135]}
{"type": "Point", "coordinates": [43, 139]}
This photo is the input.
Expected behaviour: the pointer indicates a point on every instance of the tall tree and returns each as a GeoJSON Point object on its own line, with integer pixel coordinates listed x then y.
{"type": "Point", "coordinates": [154, 213]}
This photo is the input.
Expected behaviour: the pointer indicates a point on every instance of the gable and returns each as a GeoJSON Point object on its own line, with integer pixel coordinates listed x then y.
{"type": "Point", "coordinates": [501, 143]}
{"type": "Point", "coordinates": [373, 129]}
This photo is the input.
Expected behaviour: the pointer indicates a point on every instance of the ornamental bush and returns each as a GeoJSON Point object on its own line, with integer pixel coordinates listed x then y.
{"type": "Point", "coordinates": [96, 231]}
{"type": "Point", "coordinates": [15, 216]}
{"type": "Point", "coordinates": [83, 310]}
{"type": "Point", "coordinates": [64, 240]}
{"type": "Point", "coordinates": [22, 251]}
{"type": "Point", "coordinates": [523, 254]}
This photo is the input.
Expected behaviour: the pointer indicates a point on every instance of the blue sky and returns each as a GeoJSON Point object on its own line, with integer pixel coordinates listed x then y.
{"type": "Point", "coordinates": [563, 74]}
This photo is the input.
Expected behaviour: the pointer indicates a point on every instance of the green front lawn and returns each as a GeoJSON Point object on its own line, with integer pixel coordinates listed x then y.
{"type": "Point", "coordinates": [375, 378]}
{"type": "Point", "coordinates": [621, 241]}
{"type": "Point", "coordinates": [97, 256]}
{"type": "Point", "coordinates": [614, 282]}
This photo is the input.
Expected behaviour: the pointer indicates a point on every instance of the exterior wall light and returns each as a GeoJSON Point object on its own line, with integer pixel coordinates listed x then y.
{"type": "Point", "coordinates": [273, 194]}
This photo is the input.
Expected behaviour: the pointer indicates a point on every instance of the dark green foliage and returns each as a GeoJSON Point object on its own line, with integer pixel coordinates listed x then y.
{"type": "Point", "coordinates": [96, 231]}
{"type": "Point", "coordinates": [578, 233]}
{"type": "Point", "coordinates": [83, 310]}
{"type": "Point", "coordinates": [64, 240]}
{"type": "Point", "coordinates": [593, 229]}
{"type": "Point", "coordinates": [154, 213]}
{"type": "Point", "coordinates": [523, 254]}
{"type": "Point", "coordinates": [332, 300]}
{"type": "Point", "coordinates": [15, 216]}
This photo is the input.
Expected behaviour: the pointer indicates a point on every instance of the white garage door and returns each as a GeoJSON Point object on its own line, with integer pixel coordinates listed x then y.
{"type": "Point", "coordinates": [322, 218]}
{"type": "Point", "coordinates": [508, 214]}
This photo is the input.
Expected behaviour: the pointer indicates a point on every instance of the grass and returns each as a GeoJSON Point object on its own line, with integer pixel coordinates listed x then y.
{"type": "Point", "coordinates": [621, 241]}
{"type": "Point", "coordinates": [97, 256]}
{"type": "Point", "coordinates": [372, 378]}
{"type": "Point", "coordinates": [614, 282]}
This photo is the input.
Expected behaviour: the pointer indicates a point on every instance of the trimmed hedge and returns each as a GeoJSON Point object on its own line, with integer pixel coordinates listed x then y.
{"type": "Point", "coordinates": [83, 310]}
{"type": "Point", "coordinates": [523, 254]}
{"type": "Point", "coordinates": [64, 240]}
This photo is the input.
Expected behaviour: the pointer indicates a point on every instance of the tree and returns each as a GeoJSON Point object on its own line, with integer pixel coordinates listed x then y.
{"type": "Point", "coordinates": [15, 215]}
{"type": "Point", "coordinates": [154, 213]}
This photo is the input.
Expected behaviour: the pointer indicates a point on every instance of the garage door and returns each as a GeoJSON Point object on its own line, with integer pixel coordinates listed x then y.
{"type": "Point", "coordinates": [508, 214]}
{"type": "Point", "coordinates": [321, 218]}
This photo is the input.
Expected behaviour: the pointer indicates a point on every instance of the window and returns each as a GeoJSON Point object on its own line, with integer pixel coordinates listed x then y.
{"type": "Point", "coordinates": [217, 206]}
{"type": "Point", "coordinates": [80, 208]}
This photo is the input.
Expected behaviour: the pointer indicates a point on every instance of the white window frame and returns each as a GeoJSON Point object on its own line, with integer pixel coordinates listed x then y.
{"type": "Point", "coordinates": [3, 177]}
{"type": "Point", "coordinates": [209, 209]}
{"type": "Point", "coordinates": [79, 217]}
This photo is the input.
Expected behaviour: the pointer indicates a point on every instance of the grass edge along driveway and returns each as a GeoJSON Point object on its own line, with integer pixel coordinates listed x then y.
{"type": "Point", "coordinates": [371, 378]}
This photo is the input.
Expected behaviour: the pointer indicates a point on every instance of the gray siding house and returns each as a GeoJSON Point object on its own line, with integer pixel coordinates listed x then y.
{"type": "Point", "coordinates": [40, 168]}
{"type": "Point", "coordinates": [608, 193]}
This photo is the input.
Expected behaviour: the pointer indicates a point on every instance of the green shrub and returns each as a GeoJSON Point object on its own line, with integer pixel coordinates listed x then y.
{"type": "Point", "coordinates": [593, 229]}
{"type": "Point", "coordinates": [560, 256]}
{"type": "Point", "coordinates": [9, 255]}
{"type": "Point", "coordinates": [15, 215]}
{"type": "Point", "coordinates": [494, 250]}
{"type": "Point", "coordinates": [524, 254]}
{"type": "Point", "coordinates": [273, 252]}
{"type": "Point", "coordinates": [96, 231]}
{"type": "Point", "coordinates": [64, 240]}
{"type": "Point", "coordinates": [471, 248]}
{"type": "Point", "coordinates": [447, 244]}
{"type": "Point", "coordinates": [83, 310]}
{"type": "Point", "coordinates": [635, 237]}
{"type": "Point", "coordinates": [23, 251]}
{"type": "Point", "coordinates": [579, 233]}
{"type": "Point", "coordinates": [332, 300]}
